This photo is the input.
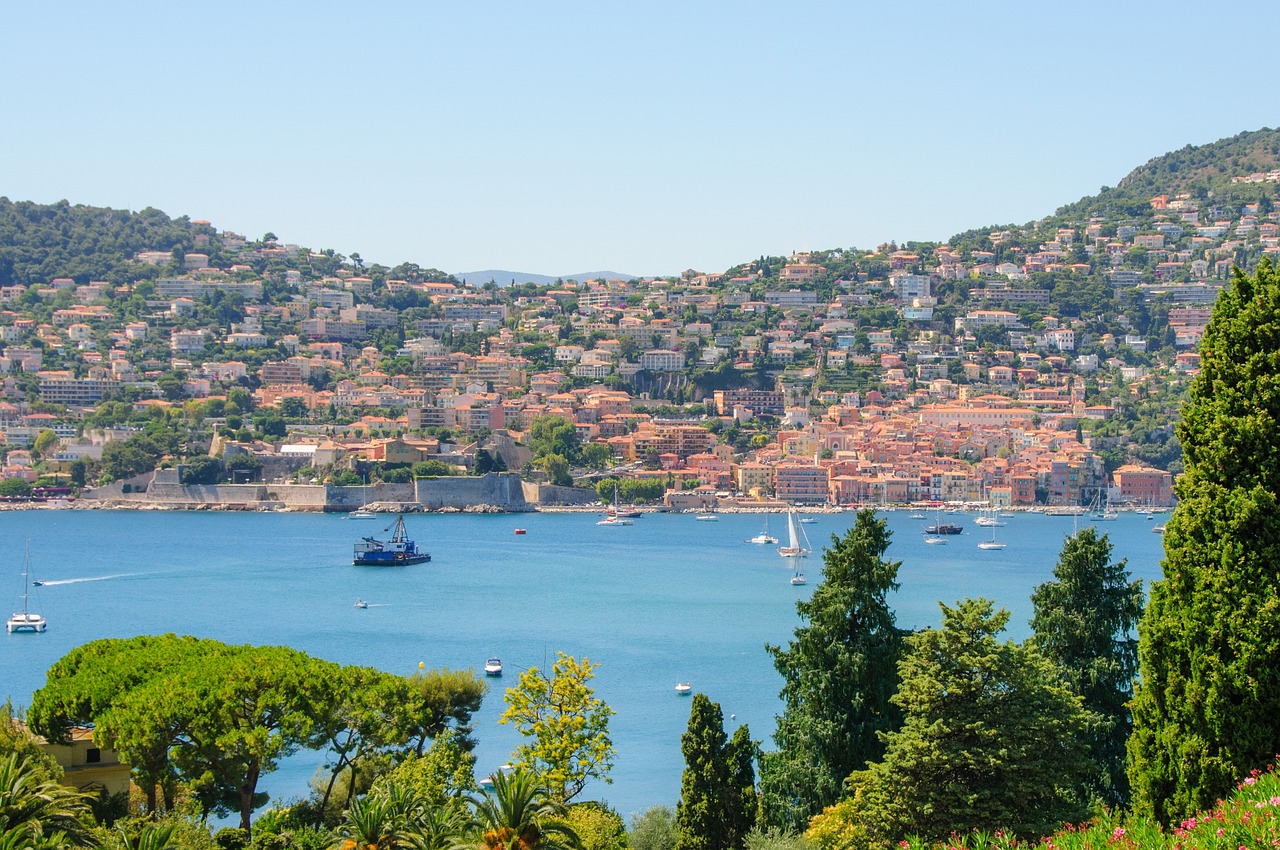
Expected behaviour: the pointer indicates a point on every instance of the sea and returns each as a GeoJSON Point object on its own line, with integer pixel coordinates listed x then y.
{"type": "Point", "coordinates": [668, 599]}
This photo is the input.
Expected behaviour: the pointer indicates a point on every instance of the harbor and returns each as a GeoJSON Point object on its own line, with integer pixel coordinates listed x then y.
{"type": "Point", "coordinates": [666, 600]}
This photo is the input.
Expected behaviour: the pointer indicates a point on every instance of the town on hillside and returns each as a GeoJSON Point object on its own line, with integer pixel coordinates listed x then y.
{"type": "Point", "coordinates": [1021, 367]}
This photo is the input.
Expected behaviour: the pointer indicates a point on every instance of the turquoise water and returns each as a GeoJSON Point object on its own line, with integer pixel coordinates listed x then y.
{"type": "Point", "coordinates": [668, 599]}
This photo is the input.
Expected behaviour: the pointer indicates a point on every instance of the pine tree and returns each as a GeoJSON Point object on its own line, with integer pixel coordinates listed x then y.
{"type": "Point", "coordinates": [1084, 622]}
{"type": "Point", "coordinates": [1207, 707]}
{"type": "Point", "coordinates": [839, 674]}
{"type": "Point", "coordinates": [717, 793]}
{"type": "Point", "coordinates": [992, 739]}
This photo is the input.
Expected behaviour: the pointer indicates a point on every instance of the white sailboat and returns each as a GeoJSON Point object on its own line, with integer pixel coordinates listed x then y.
{"type": "Point", "coordinates": [611, 515]}
{"type": "Point", "coordinates": [764, 538]}
{"type": "Point", "coordinates": [363, 511]}
{"type": "Point", "coordinates": [26, 620]}
{"type": "Point", "coordinates": [795, 537]}
{"type": "Point", "coordinates": [992, 543]}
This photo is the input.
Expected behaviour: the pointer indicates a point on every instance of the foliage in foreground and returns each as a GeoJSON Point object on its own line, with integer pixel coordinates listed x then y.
{"type": "Point", "coordinates": [1208, 704]}
{"type": "Point", "coordinates": [1250, 817]}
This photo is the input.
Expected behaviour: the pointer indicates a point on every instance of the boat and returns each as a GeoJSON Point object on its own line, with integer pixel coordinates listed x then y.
{"type": "Point", "coordinates": [707, 518]}
{"type": "Point", "coordinates": [362, 514]}
{"type": "Point", "coordinates": [797, 578]}
{"type": "Point", "coordinates": [26, 620]}
{"type": "Point", "coordinates": [396, 552]}
{"type": "Point", "coordinates": [520, 531]}
{"type": "Point", "coordinates": [1158, 529]}
{"type": "Point", "coordinates": [795, 537]}
{"type": "Point", "coordinates": [808, 520]}
{"type": "Point", "coordinates": [934, 540]}
{"type": "Point", "coordinates": [360, 603]}
{"type": "Point", "coordinates": [992, 543]}
{"type": "Point", "coordinates": [632, 514]}
{"type": "Point", "coordinates": [939, 527]}
{"type": "Point", "coordinates": [683, 689]}
{"type": "Point", "coordinates": [989, 521]}
{"type": "Point", "coordinates": [612, 517]}
{"type": "Point", "coordinates": [764, 537]}
{"type": "Point", "coordinates": [493, 667]}
{"type": "Point", "coordinates": [917, 515]}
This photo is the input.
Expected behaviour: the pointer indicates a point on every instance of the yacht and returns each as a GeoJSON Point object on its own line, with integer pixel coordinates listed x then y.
{"type": "Point", "coordinates": [493, 667]}
{"type": "Point", "coordinates": [683, 689]}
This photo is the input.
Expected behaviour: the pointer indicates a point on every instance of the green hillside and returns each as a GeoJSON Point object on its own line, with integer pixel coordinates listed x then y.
{"type": "Point", "coordinates": [1204, 172]}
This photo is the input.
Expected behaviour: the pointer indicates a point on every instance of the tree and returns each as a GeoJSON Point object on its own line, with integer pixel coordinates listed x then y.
{"type": "Point", "coordinates": [991, 739]}
{"type": "Point", "coordinates": [654, 829]}
{"type": "Point", "coordinates": [201, 469]}
{"type": "Point", "coordinates": [46, 441]}
{"type": "Point", "coordinates": [597, 826]}
{"type": "Point", "coordinates": [717, 791]}
{"type": "Point", "coordinates": [554, 435]}
{"type": "Point", "coordinates": [14, 487]}
{"type": "Point", "coordinates": [567, 724]}
{"type": "Point", "coordinates": [522, 813]}
{"type": "Point", "coordinates": [1085, 622]}
{"type": "Point", "coordinates": [35, 809]}
{"type": "Point", "coordinates": [557, 469]}
{"type": "Point", "coordinates": [839, 674]}
{"type": "Point", "coordinates": [1207, 708]}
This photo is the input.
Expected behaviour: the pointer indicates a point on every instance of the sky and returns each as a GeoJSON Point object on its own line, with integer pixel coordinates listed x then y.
{"type": "Point", "coordinates": [641, 138]}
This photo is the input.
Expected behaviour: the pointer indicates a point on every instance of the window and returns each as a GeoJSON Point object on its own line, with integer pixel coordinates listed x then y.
{"type": "Point", "coordinates": [93, 755]}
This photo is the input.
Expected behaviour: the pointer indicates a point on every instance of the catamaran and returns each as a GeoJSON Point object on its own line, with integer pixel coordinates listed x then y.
{"type": "Point", "coordinates": [26, 620]}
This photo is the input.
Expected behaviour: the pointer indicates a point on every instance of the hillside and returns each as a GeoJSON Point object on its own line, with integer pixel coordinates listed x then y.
{"type": "Point", "coordinates": [1207, 172]}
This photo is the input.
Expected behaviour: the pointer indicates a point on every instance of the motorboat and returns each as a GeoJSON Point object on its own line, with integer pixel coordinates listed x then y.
{"type": "Point", "coordinates": [683, 689]}
{"type": "Point", "coordinates": [520, 531]}
{"type": "Point", "coordinates": [360, 603]}
{"type": "Point", "coordinates": [362, 513]}
{"type": "Point", "coordinates": [493, 667]}
{"type": "Point", "coordinates": [707, 518]}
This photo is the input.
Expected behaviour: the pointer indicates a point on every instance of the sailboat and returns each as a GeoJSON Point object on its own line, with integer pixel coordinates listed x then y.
{"type": "Point", "coordinates": [25, 620]}
{"type": "Point", "coordinates": [611, 515]}
{"type": "Point", "coordinates": [992, 543]}
{"type": "Point", "coordinates": [933, 534]}
{"type": "Point", "coordinates": [795, 534]}
{"type": "Point", "coordinates": [363, 511]}
{"type": "Point", "coordinates": [764, 537]}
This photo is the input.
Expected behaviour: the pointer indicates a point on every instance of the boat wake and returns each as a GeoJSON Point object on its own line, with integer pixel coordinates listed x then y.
{"type": "Point", "coordinates": [58, 581]}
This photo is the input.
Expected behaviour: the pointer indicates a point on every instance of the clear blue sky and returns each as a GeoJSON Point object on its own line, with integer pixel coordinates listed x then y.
{"type": "Point", "coordinates": [643, 138]}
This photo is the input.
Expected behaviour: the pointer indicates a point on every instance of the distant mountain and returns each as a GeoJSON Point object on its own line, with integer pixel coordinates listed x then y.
{"type": "Point", "coordinates": [502, 277]}
{"type": "Point", "coordinates": [1204, 172]}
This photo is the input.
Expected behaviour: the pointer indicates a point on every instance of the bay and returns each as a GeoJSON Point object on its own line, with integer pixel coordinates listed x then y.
{"type": "Point", "coordinates": [667, 599]}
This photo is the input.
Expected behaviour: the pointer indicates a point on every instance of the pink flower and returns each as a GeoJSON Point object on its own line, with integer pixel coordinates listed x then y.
{"type": "Point", "coordinates": [1221, 832]}
{"type": "Point", "coordinates": [1251, 780]}
{"type": "Point", "coordinates": [1118, 834]}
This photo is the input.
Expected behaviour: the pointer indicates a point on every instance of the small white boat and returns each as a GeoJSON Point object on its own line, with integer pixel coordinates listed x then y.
{"type": "Point", "coordinates": [707, 518]}
{"type": "Point", "coordinates": [26, 620]}
{"type": "Point", "coordinates": [990, 544]}
{"type": "Point", "coordinates": [936, 541]}
{"type": "Point", "coordinates": [360, 603]}
{"type": "Point", "coordinates": [362, 514]}
{"type": "Point", "coordinates": [683, 689]}
{"type": "Point", "coordinates": [917, 515]}
{"type": "Point", "coordinates": [493, 667]}
{"type": "Point", "coordinates": [798, 579]}
{"type": "Point", "coordinates": [764, 537]}
{"type": "Point", "coordinates": [612, 520]}
{"type": "Point", "coordinates": [1158, 529]}
{"type": "Point", "coordinates": [808, 520]}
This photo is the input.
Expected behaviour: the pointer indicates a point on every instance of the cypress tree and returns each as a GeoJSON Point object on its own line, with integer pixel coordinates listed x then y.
{"type": "Point", "coordinates": [839, 674]}
{"type": "Point", "coordinates": [1084, 622]}
{"type": "Point", "coordinates": [1207, 707]}
{"type": "Point", "coordinates": [717, 791]}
